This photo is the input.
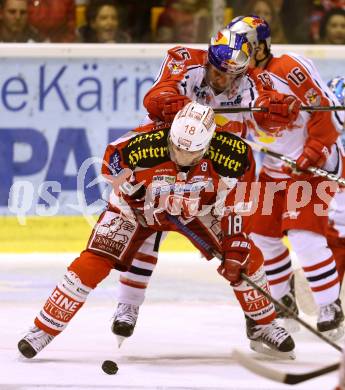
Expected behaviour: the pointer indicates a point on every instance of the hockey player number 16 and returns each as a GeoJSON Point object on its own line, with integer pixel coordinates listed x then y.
{"type": "Point", "coordinates": [297, 76]}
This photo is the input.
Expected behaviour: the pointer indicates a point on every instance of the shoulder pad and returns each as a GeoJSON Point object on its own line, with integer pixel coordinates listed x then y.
{"type": "Point", "coordinates": [185, 54]}
{"type": "Point", "coordinates": [229, 154]}
{"type": "Point", "coordinates": [147, 150]}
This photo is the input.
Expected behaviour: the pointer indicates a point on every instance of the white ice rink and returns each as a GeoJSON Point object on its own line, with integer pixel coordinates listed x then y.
{"type": "Point", "coordinates": [184, 337]}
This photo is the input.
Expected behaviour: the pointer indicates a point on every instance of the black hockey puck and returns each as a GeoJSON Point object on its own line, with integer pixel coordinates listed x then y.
{"type": "Point", "coordinates": [110, 367]}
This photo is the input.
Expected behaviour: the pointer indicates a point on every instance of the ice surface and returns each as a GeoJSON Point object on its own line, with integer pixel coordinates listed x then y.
{"type": "Point", "coordinates": [186, 331]}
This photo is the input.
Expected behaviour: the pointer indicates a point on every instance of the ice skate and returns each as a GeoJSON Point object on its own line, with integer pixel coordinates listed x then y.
{"type": "Point", "coordinates": [271, 339]}
{"type": "Point", "coordinates": [124, 321]}
{"type": "Point", "coordinates": [289, 300]}
{"type": "Point", "coordinates": [331, 320]}
{"type": "Point", "coordinates": [33, 342]}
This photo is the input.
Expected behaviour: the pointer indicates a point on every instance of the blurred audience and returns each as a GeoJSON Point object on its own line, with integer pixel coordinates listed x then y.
{"type": "Point", "coordinates": [317, 11]}
{"type": "Point", "coordinates": [14, 26]}
{"type": "Point", "coordinates": [184, 21]}
{"type": "Point", "coordinates": [103, 23]}
{"type": "Point", "coordinates": [139, 13]}
{"type": "Point", "coordinates": [268, 10]}
{"type": "Point", "coordinates": [332, 27]}
{"type": "Point", "coordinates": [54, 19]}
{"type": "Point", "coordinates": [296, 25]}
{"type": "Point", "coordinates": [181, 21]}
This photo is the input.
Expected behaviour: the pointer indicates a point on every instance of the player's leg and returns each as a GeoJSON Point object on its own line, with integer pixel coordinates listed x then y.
{"type": "Point", "coordinates": [266, 232]}
{"type": "Point", "coordinates": [306, 228]}
{"type": "Point", "coordinates": [65, 301]}
{"type": "Point", "coordinates": [132, 286]}
{"type": "Point", "coordinates": [320, 270]}
{"type": "Point", "coordinates": [278, 268]}
{"type": "Point", "coordinates": [112, 244]}
{"type": "Point", "coordinates": [263, 331]}
{"type": "Point", "coordinates": [337, 246]}
{"type": "Point", "coordinates": [336, 231]}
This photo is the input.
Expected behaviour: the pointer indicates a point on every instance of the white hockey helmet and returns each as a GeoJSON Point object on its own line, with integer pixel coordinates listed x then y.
{"type": "Point", "coordinates": [193, 127]}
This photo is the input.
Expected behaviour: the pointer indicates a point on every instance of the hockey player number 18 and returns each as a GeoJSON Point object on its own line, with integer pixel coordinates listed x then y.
{"type": "Point", "coordinates": [235, 224]}
{"type": "Point", "coordinates": [190, 130]}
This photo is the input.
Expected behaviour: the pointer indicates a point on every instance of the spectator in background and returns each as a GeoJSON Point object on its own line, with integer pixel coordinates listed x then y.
{"type": "Point", "coordinates": [332, 27]}
{"type": "Point", "coordinates": [296, 24]}
{"type": "Point", "coordinates": [54, 19]}
{"type": "Point", "coordinates": [14, 25]}
{"type": "Point", "coordinates": [267, 10]}
{"type": "Point", "coordinates": [139, 13]}
{"type": "Point", "coordinates": [103, 24]}
{"type": "Point", "coordinates": [317, 10]}
{"type": "Point", "coordinates": [184, 21]}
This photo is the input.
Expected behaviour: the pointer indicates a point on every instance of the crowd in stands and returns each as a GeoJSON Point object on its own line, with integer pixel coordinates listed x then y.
{"type": "Point", "coordinates": [166, 21]}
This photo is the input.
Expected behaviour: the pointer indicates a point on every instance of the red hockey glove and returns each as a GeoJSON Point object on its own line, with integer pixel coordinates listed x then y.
{"type": "Point", "coordinates": [282, 110]}
{"type": "Point", "coordinates": [236, 255]}
{"type": "Point", "coordinates": [314, 154]}
{"type": "Point", "coordinates": [166, 106]}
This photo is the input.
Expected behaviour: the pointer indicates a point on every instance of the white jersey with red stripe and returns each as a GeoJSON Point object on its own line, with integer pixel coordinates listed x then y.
{"type": "Point", "coordinates": [295, 75]}
{"type": "Point", "coordinates": [183, 72]}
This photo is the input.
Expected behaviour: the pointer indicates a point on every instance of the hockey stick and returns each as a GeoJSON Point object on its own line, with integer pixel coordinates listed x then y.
{"type": "Point", "coordinates": [208, 248]}
{"type": "Point", "coordinates": [316, 171]}
{"type": "Point", "coordinates": [233, 110]}
{"type": "Point", "coordinates": [276, 375]}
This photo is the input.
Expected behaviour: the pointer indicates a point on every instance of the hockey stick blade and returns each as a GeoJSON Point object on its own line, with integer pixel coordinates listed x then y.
{"type": "Point", "coordinates": [276, 375]}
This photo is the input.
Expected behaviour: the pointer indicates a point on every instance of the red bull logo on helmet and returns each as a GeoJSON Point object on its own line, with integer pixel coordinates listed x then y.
{"type": "Point", "coordinates": [220, 39]}
{"type": "Point", "coordinates": [253, 21]}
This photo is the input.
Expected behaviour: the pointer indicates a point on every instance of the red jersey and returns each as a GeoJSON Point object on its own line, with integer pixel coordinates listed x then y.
{"type": "Point", "coordinates": [183, 72]}
{"type": "Point", "coordinates": [207, 187]}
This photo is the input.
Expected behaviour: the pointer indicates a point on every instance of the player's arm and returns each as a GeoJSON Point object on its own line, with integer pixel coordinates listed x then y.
{"type": "Point", "coordinates": [236, 244]}
{"type": "Point", "coordinates": [166, 97]}
{"type": "Point", "coordinates": [323, 126]}
{"type": "Point", "coordinates": [306, 84]}
{"type": "Point", "coordinates": [279, 109]}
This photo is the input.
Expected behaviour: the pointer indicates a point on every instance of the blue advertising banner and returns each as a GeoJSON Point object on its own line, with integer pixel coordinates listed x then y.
{"type": "Point", "coordinates": [55, 114]}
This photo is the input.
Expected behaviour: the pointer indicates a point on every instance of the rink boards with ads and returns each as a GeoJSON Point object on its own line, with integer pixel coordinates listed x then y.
{"type": "Point", "coordinates": [60, 106]}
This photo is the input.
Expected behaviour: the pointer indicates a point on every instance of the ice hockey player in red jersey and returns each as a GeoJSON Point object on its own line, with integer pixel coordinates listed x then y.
{"type": "Point", "coordinates": [312, 140]}
{"type": "Point", "coordinates": [190, 172]}
{"type": "Point", "coordinates": [217, 78]}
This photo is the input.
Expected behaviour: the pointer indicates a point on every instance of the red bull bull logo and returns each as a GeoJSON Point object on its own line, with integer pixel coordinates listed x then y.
{"type": "Point", "coordinates": [253, 22]}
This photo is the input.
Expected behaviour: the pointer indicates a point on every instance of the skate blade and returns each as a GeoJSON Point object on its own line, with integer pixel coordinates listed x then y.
{"type": "Point", "coordinates": [335, 334]}
{"type": "Point", "coordinates": [259, 347]}
{"type": "Point", "coordinates": [120, 340]}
